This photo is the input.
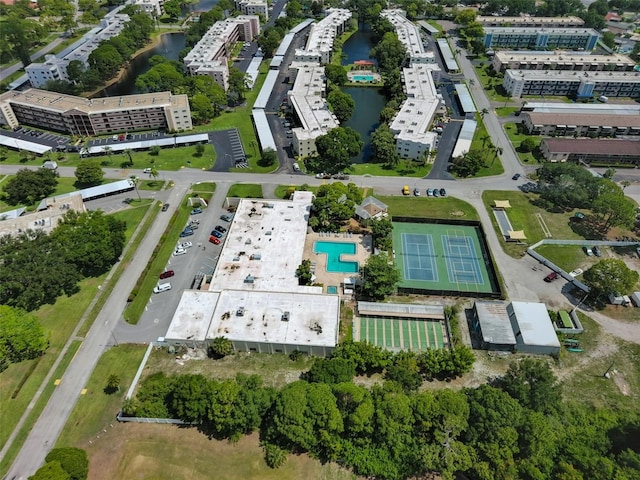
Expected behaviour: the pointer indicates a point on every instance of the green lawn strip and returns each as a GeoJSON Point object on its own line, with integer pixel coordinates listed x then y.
{"type": "Point", "coordinates": [346, 324]}
{"type": "Point", "coordinates": [435, 24]}
{"type": "Point", "coordinates": [245, 190]}
{"type": "Point", "coordinates": [567, 257]}
{"type": "Point", "coordinates": [133, 217]}
{"type": "Point", "coordinates": [506, 111]}
{"type": "Point", "coordinates": [522, 216]}
{"type": "Point", "coordinates": [166, 159]}
{"type": "Point", "coordinates": [482, 141]}
{"type": "Point", "coordinates": [336, 58]}
{"type": "Point", "coordinates": [38, 407]}
{"type": "Point", "coordinates": [96, 410]}
{"type": "Point", "coordinates": [165, 247]}
{"type": "Point", "coordinates": [204, 187]}
{"type": "Point", "coordinates": [151, 185]}
{"type": "Point", "coordinates": [404, 169]}
{"type": "Point", "coordinates": [588, 385]}
{"type": "Point", "coordinates": [511, 129]}
{"type": "Point", "coordinates": [429, 207]}
{"type": "Point", "coordinates": [492, 84]}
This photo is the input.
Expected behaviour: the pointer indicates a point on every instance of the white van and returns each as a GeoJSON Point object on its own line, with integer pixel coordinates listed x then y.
{"type": "Point", "coordinates": [162, 288]}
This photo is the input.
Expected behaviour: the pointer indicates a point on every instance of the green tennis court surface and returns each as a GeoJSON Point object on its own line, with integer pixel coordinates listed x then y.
{"type": "Point", "coordinates": [441, 257]}
{"type": "Point", "coordinates": [401, 334]}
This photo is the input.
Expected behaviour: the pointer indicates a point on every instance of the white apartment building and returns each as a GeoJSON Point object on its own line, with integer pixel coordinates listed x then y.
{"type": "Point", "coordinates": [210, 55]}
{"type": "Point", "coordinates": [411, 125]}
{"type": "Point", "coordinates": [560, 60]}
{"type": "Point", "coordinates": [409, 34]}
{"type": "Point", "coordinates": [307, 101]}
{"type": "Point", "coordinates": [54, 68]}
{"type": "Point", "coordinates": [319, 47]}
{"type": "Point", "coordinates": [152, 8]}
{"type": "Point", "coordinates": [253, 7]}
{"type": "Point", "coordinates": [529, 21]}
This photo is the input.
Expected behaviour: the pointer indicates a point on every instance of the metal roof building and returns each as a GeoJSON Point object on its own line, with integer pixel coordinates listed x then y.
{"type": "Point", "coordinates": [464, 97]}
{"type": "Point", "coordinates": [263, 129]}
{"type": "Point", "coordinates": [19, 144]}
{"type": "Point", "coordinates": [146, 144]}
{"type": "Point", "coordinates": [430, 29]}
{"type": "Point", "coordinates": [285, 44]}
{"type": "Point", "coordinates": [404, 310]}
{"type": "Point", "coordinates": [447, 55]}
{"type": "Point", "coordinates": [267, 88]}
{"type": "Point", "coordinates": [465, 137]}
{"type": "Point", "coordinates": [533, 328]}
{"type": "Point", "coordinates": [490, 321]}
{"type": "Point", "coordinates": [302, 25]}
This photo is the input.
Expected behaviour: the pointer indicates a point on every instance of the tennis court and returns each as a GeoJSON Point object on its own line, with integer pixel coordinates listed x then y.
{"type": "Point", "coordinates": [442, 257]}
{"type": "Point", "coordinates": [393, 333]}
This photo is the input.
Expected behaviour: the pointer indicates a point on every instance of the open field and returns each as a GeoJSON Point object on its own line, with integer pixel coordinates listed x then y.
{"type": "Point", "coordinates": [506, 111]}
{"type": "Point", "coordinates": [522, 217]}
{"type": "Point", "coordinates": [567, 257]}
{"type": "Point", "coordinates": [404, 169]}
{"type": "Point", "coordinates": [430, 207]}
{"type": "Point", "coordinates": [245, 190]}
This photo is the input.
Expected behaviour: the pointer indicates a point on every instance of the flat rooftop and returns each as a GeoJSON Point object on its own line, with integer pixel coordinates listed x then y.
{"type": "Point", "coordinates": [412, 310]}
{"type": "Point", "coordinates": [585, 108]}
{"type": "Point", "coordinates": [585, 119]}
{"type": "Point", "coordinates": [60, 102]}
{"type": "Point", "coordinates": [572, 76]}
{"type": "Point", "coordinates": [192, 318]}
{"type": "Point", "coordinates": [253, 256]}
{"type": "Point", "coordinates": [534, 323]}
{"type": "Point", "coordinates": [310, 106]}
{"type": "Point", "coordinates": [560, 56]}
{"type": "Point", "coordinates": [323, 33]}
{"type": "Point", "coordinates": [528, 20]}
{"type": "Point", "coordinates": [312, 318]}
{"type": "Point", "coordinates": [597, 146]}
{"type": "Point", "coordinates": [539, 31]}
{"type": "Point", "coordinates": [494, 323]}
{"type": "Point", "coordinates": [408, 33]}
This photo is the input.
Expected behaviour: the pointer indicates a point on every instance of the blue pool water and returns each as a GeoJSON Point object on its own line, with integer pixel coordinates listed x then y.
{"type": "Point", "coordinates": [332, 290]}
{"type": "Point", "coordinates": [363, 78]}
{"type": "Point", "coordinates": [334, 251]}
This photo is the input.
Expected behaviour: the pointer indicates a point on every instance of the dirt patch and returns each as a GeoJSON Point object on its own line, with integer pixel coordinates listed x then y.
{"type": "Point", "coordinates": [621, 382]}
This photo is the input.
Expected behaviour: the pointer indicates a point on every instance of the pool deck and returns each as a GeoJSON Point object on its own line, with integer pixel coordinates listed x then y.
{"type": "Point", "coordinates": [363, 251]}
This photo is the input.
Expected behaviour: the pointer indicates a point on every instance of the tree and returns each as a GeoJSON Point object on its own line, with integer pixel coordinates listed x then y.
{"type": "Point", "coordinates": [154, 150]}
{"type": "Point", "coordinates": [269, 157]}
{"type": "Point", "coordinates": [379, 277]}
{"type": "Point", "coordinates": [89, 173]}
{"type": "Point", "coordinates": [74, 461]}
{"type": "Point", "coordinates": [390, 52]}
{"type": "Point", "coordinates": [528, 145]}
{"type": "Point", "coordinates": [238, 83]}
{"type": "Point", "coordinates": [30, 186]}
{"type": "Point", "coordinates": [610, 277]}
{"type": "Point", "coordinates": [172, 8]}
{"type": "Point", "coordinates": [335, 150]}
{"type": "Point", "coordinates": [404, 370]}
{"type": "Point", "coordinates": [616, 209]}
{"type": "Point", "coordinates": [383, 146]}
{"type": "Point", "coordinates": [221, 347]}
{"type": "Point", "coordinates": [113, 384]}
{"type": "Point", "coordinates": [21, 35]}
{"type": "Point", "coordinates": [381, 230]}
{"type": "Point", "coordinates": [274, 456]}
{"type": "Point", "coordinates": [469, 164]}
{"type": "Point", "coordinates": [336, 74]}
{"type": "Point", "coordinates": [466, 16]}
{"type": "Point", "coordinates": [303, 272]}
{"type": "Point", "coordinates": [50, 471]}
{"type": "Point", "coordinates": [342, 105]}
{"type": "Point", "coordinates": [609, 39]}
{"type": "Point", "coordinates": [533, 384]}
{"type": "Point", "coordinates": [333, 205]}
{"type": "Point", "coordinates": [331, 370]}
{"type": "Point", "coordinates": [21, 336]}
{"type": "Point", "coordinates": [199, 150]}
{"type": "Point", "coordinates": [201, 108]}
{"type": "Point", "coordinates": [106, 60]}
{"type": "Point", "coordinates": [269, 41]}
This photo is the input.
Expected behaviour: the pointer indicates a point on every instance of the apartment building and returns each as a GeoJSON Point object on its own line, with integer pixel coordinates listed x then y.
{"type": "Point", "coordinates": [532, 38]}
{"type": "Point", "coordinates": [561, 60]}
{"type": "Point", "coordinates": [529, 21]}
{"type": "Point", "coordinates": [210, 56]}
{"type": "Point", "coordinates": [519, 83]}
{"type": "Point", "coordinates": [54, 68]}
{"type": "Point", "coordinates": [409, 34]}
{"type": "Point", "coordinates": [602, 151]}
{"type": "Point", "coordinates": [585, 125]}
{"type": "Point", "coordinates": [153, 8]}
{"type": "Point", "coordinates": [253, 7]}
{"type": "Point", "coordinates": [319, 46]}
{"type": "Point", "coordinates": [81, 116]}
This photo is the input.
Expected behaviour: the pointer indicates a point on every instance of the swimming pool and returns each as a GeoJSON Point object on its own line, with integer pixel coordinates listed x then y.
{"type": "Point", "coordinates": [363, 78]}
{"type": "Point", "coordinates": [334, 251]}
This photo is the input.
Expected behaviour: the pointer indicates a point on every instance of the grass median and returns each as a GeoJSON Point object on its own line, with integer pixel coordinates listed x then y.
{"type": "Point", "coordinates": [430, 207]}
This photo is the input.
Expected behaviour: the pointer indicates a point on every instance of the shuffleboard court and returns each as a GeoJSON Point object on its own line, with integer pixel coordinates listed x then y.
{"type": "Point", "coordinates": [442, 257]}
{"type": "Point", "coordinates": [394, 333]}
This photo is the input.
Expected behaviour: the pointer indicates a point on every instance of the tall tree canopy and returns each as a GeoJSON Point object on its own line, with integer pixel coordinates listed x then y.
{"type": "Point", "coordinates": [335, 150]}
{"type": "Point", "coordinates": [30, 186]}
{"type": "Point", "coordinates": [610, 277]}
{"type": "Point", "coordinates": [21, 336]}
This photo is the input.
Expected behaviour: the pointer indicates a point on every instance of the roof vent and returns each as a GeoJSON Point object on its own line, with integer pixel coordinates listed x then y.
{"type": "Point", "coordinates": [240, 312]}
{"type": "Point", "coordinates": [285, 317]}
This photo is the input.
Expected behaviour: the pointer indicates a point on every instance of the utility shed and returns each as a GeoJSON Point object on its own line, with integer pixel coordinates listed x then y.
{"type": "Point", "coordinates": [533, 328]}
{"type": "Point", "coordinates": [491, 322]}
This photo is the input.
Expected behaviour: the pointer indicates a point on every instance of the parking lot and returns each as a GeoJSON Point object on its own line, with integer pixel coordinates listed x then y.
{"type": "Point", "coordinates": [128, 137]}
{"type": "Point", "coordinates": [54, 140]}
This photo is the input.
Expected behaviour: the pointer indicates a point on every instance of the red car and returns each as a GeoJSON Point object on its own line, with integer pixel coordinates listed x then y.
{"type": "Point", "coordinates": [214, 240]}
{"type": "Point", "coordinates": [167, 274]}
{"type": "Point", "coordinates": [551, 277]}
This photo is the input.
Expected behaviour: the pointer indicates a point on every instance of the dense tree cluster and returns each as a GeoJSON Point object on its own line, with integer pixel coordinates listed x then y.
{"type": "Point", "coordinates": [566, 186]}
{"type": "Point", "coordinates": [610, 276]}
{"type": "Point", "coordinates": [333, 205]}
{"type": "Point", "coordinates": [64, 464]}
{"type": "Point", "coordinates": [381, 230]}
{"type": "Point", "coordinates": [335, 150]}
{"type": "Point", "coordinates": [37, 268]}
{"type": "Point", "coordinates": [379, 276]}
{"type": "Point", "coordinates": [517, 428]}
{"type": "Point", "coordinates": [21, 336]}
{"type": "Point", "coordinates": [29, 186]}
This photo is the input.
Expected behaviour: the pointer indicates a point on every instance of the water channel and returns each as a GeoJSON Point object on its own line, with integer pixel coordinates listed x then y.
{"type": "Point", "coordinates": [369, 101]}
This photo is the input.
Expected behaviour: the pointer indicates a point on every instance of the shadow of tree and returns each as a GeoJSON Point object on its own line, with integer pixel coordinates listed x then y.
{"type": "Point", "coordinates": [589, 227]}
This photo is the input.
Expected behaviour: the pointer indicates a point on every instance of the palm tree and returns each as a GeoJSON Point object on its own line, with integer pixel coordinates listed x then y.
{"type": "Point", "coordinates": [472, 82]}
{"type": "Point", "coordinates": [457, 52]}
{"type": "Point", "coordinates": [625, 184]}
{"type": "Point", "coordinates": [483, 112]}
{"type": "Point", "coordinates": [134, 179]}
{"type": "Point", "coordinates": [496, 151]}
{"type": "Point", "coordinates": [107, 149]}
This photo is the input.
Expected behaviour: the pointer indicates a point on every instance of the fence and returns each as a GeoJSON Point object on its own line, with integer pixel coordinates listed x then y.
{"type": "Point", "coordinates": [172, 421]}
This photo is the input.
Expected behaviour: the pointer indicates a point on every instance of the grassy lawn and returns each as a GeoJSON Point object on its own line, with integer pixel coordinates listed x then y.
{"type": "Point", "coordinates": [506, 111]}
{"type": "Point", "coordinates": [430, 207]}
{"type": "Point", "coordinates": [202, 187]}
{"type": "Point", "coordinates": [567, 257]}
{"type": "Point", "coordinates": [516, 139]}
{"type": "Point", "coordinates": [621, 313]}
{"type": "Point", "coordinates": [245, 190]}
{"type": "Point", "coordinates": [158, 452]}
{"type": "Point", "coordinates": [65, 185]}
{"type": "Point", "coordinates": [522, 217]}
{"type": "Point", "coordinates": [435, 24]}
{"type": "Point", "coordinates": [151, 185]}
{"type": "Point", "coordinates": [492, 85]}
{"type": "Point", "coordinates": [95, 410]}
{"type": "Point", "coordinates": [404, 169]}
{"type": "Point", "coordinates": [482, 141]}
{"type": "Point", "coordinates": [282, 191]}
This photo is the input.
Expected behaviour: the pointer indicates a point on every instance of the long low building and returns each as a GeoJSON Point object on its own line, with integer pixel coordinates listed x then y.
{"type": "Point", "coordinates": [539, 38]}
{"type": "Point", "coordinates": [561, 60]}
{"type": "Point", "coordinates": [253, 297]}
{"type": "Point", "coordinates": [518, 83]}
{"type": "Point", "coordinates": [319, 46]}
{"type": "Point", "coordinates": [409, 35]}
{"type": "Point", "coordinates": [586, 150]}
{"type": "Point", "coordinates": [583, 108]}
{"type": "Point", "coordinates": [81, 116]}
{"type": "Point", "coordinates": [529, 21]}
{"type": "Point", "coordinates": [586, 125]}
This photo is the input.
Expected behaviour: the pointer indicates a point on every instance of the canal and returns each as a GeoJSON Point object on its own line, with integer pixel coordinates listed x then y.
{"type": "Point", "coordinates": [369, 101]}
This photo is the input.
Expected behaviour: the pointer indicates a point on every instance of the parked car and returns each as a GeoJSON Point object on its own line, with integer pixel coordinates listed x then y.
{"type": "Point", "coordinates": [146, 170]}
{"type": "Point", "coordinates": [405, 190]}
{"type": "Point", "coordinates": [221, 229]}
{"type": "Point", "coordinates": [216, 233]}
{"type": "Point", "coordinates": [416, 192]}
{"type": "Point", "coordinates": [443, 192]}
{"type": "Point", "coordinates": [551, 277]}
{"type": "Point", "coordinates": [596, 251]}
{"type": "Point", "coordinates": [186, 244]}
{"type": "Point", "coordinates": [162, 288]}
{"type": "Point", "coordinates": [186, 233]}
{"type": "Point", "coordinates": [196, 211]}
{"type": "Point", "coordinates": [516, 176]}
{"type": "Point", "coordinates": [588, 251]}
{"type": "Point", "coordinates": [214, 240]}
{"type": "Point", "coordinates": [165, 207]}
{"type": "Point", "coordinates": [436, 192]}
{"type": "Point", "coordinates": [179, 251]}
{"type": "Point", "coordinates": [226, 218]}
{"type": "Point", "coordinates": [576, 272]}
{"type": "Point", "coordinates": [430, 192]}
{"type": "Point", "coordinates": [167, 274]}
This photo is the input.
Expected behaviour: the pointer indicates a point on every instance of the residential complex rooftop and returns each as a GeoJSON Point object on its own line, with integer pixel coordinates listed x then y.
{"type": "Point", "coordinates": [586, 119]}
{"type": "Point", "coordinates": [557, 75]}
{"type": "Point", "coordinates": [593, 146]}
{"type": "Point", "coordinates": [561, 56]}
{"type": "Point", "coordinates": [527, 20]}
